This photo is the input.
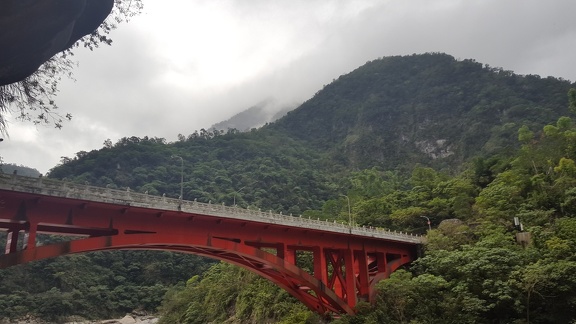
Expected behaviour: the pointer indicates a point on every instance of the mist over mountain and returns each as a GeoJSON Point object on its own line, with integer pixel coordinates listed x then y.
{"type": "Point", "coordinates": [254, 117]}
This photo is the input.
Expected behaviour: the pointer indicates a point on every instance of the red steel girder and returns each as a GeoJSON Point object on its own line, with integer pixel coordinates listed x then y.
{"type": "Point", "coordinates": [345, 267]}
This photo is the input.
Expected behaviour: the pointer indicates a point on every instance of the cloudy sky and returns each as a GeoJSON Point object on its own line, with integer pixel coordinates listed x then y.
{"type": "Point", "coordinates": [184, 65]}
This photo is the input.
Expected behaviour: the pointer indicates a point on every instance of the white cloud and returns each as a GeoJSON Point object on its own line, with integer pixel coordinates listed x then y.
{"type": "Point", "coordinates": [185, 65]}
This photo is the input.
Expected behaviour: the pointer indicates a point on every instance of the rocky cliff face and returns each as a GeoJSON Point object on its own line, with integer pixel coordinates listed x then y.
{"type": "Point", "coordinates": [32, 31]}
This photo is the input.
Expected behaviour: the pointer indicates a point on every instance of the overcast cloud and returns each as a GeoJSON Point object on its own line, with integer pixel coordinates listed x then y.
{"type": "Point", "coordinates": [187, 64]}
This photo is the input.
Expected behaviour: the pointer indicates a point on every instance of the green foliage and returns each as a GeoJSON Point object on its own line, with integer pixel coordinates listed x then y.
{"type": "Point", "coordinates": [428, 109]}
{"type": "Point", "coordinates": [250, 169]}
{"type": "Point", "coordinates": [475, 272]}
{"type": "Point", "coordinates": [229, 294]}
{"type": "Point", "coordinates": [449, 235]}
{"type": "Point", "coordinates": [94, 285]}
{"type": "Point", "coordinates": [525, 135]}
{"type": "Point", "coordinates": [572, 100]}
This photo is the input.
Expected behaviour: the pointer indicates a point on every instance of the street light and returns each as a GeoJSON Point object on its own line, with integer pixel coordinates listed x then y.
{"type": "Point", "coordinates": [428, 219]}
{"type": "Point", "coordinates": [237, 191]}
{"type": "Point", "coordinates": [349, 213]}
{"type": "Point", "coordinates": [181, 178]}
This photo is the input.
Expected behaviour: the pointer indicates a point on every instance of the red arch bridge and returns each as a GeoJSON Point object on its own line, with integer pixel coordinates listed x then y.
{"type": "Point", "coordinates": [347, 260]}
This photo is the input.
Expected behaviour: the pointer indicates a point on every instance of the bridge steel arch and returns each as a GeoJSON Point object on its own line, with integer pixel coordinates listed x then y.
{"type": "Point", "coordinates": [347, 262]}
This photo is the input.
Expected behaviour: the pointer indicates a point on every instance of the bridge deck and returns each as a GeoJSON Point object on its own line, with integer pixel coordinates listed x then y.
{"type": "Point", "coordinates": [56, 188]}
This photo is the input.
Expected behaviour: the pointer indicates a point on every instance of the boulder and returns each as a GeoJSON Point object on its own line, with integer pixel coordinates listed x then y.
{"type": "Point", "coordinates": [127, 320]}
{"type": "Point", "coordinates": [32, 31]}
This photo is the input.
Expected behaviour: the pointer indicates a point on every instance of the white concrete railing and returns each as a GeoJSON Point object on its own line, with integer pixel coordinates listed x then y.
{"type": "Point", "coordinates": [57, 188]}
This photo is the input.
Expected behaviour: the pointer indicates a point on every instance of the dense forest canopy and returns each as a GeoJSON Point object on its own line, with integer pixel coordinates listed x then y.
{"type": "Point", "coordinates": [465, 145]}
{"type": "Point", "coordinates": [430, 109]}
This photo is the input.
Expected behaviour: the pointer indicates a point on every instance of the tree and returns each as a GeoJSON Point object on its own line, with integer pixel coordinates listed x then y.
{"type": "Point", "coordinates": [227, 291]}
{"type": "Point", "coordinates": [572, 100]}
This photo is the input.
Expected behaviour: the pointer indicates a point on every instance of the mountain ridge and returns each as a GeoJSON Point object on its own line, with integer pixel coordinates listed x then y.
{"type": "Point", "coordinates": [403, 104]}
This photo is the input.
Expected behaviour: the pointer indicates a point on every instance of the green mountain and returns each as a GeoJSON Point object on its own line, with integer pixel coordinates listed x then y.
{"type": "Point", "coordinates": [19, 169]}
{"type": "Point", "coordinates": [402, 137]}
{"type": "Point", "coordinates": [430, 109]}
{"type": "Point", "coordinates": [392, 113]}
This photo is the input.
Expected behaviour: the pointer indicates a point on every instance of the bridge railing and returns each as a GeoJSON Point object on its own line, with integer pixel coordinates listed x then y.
{"type": "Point", "coordinates": [58, 188]}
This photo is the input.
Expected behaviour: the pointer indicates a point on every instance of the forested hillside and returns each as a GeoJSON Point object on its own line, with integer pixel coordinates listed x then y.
{"type": "Point", "coordinates": [403, 138]}
{"type": "Point", "coordinates": [19, 169]}
{"type": "Point", "coordinates": [430, 109]}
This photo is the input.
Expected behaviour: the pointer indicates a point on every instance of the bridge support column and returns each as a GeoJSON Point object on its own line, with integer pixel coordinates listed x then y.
{"type": "Point", "coordinates": [320, 266]}
{"type": "Point", "coordinates": [361, 269]}
{"type": "Point", "coordinates": [12, 241]}
{"type": "Point", "coordinates": [283, 252]}
{"type": "Point", "coordinates": [378, 272]}
{"type": "Point", "coordinates": [30, 236]}
{"type": "Point", "coordinates": [382, 264]}
{"type": "Point", "coordinates": [350, 277]}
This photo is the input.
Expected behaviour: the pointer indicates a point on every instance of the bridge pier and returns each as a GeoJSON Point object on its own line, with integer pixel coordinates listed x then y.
{"type": "Point", "coordinates": [320, 265]}
{"type": "Point", "coordinates": [11, 241]}
{"type": "Point", "coordinates": [361, 269]}
{"type": "Point", "coordinates": [30, 236]}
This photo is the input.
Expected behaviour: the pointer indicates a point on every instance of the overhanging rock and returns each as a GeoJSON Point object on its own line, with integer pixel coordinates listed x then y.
{"type": "Point", "coordinates": [32, 31]}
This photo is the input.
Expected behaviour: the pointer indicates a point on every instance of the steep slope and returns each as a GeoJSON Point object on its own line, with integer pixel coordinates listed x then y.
{"type": "Point", "coordinates": [430, 109]}
{"type": "Point", "coordinates": [257, 168]}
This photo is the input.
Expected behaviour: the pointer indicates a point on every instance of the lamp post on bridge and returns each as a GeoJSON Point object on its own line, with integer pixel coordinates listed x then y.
{"type": "Point", "coordinates": [238, 191]}
{"type": "Point", "coordinates": [428, 221]}
{"type": "Point", "coordinates": [349, 211]}
{"type": "Point", "coordinates": [181, 179]}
